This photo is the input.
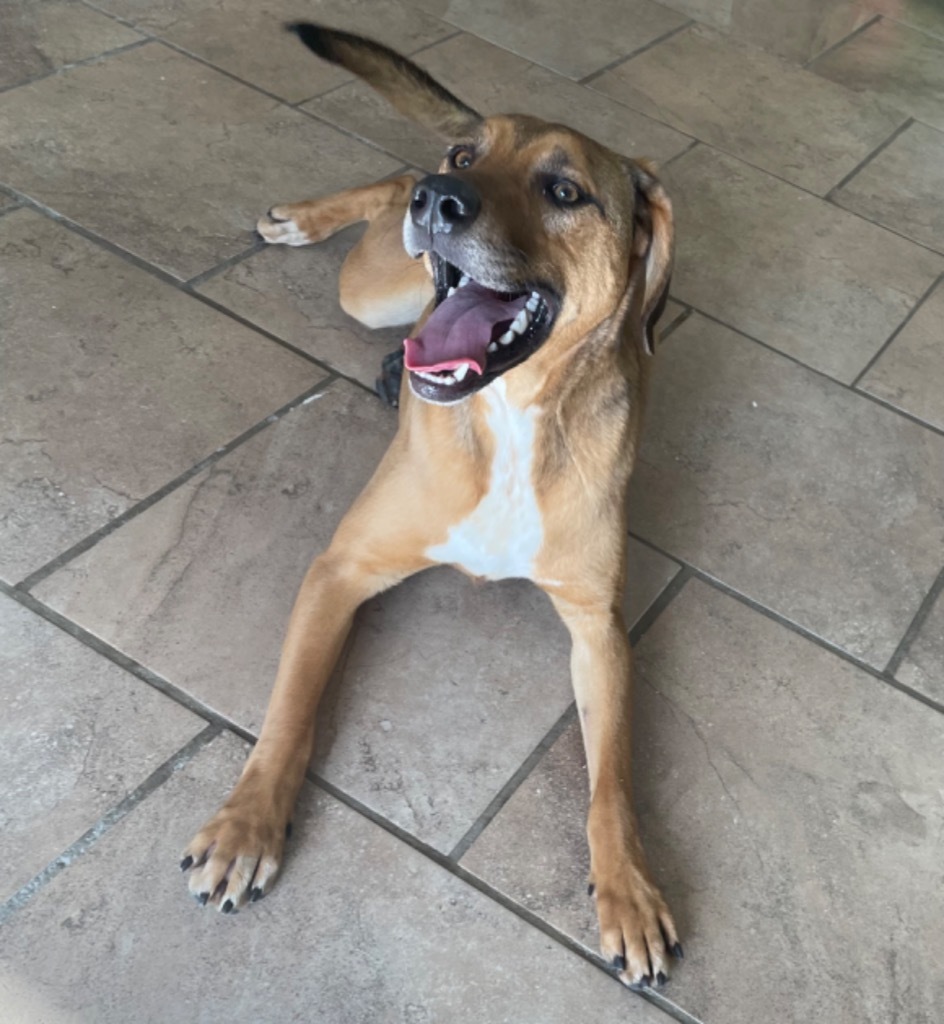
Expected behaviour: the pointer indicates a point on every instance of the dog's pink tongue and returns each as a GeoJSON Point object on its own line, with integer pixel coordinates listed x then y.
{"type": "Point", "coordinates": [460, 329]}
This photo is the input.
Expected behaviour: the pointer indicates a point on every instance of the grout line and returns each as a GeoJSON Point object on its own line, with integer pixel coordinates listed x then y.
{"type": "Point", "coordinates": [635, 53]}
{"type": "Point", "coordinates": [842, 42]}
{"type": "Point", "coordinates": [518, 777]}
{"type": "Point", "coordinates": [11, 209]}
{"type": "Point", "coordinates": [257, 246]}
{"type": "Point", "coordinates": [85, 842]}
{"type": "Point", "coordinates": [123, 661]}
{"type": "Point", "coordinates": [85, 62]}
{"type": "Point", "coordinates": [667, 595]}
{"type": "Point", "coordinates": [674, 325]}
{"type": "Point", "coordinates": [830, 196]}
{"type": "Point", "coordinates": [795, 627]}
{"type": "Point", "coordinates": [914, 627]}
{"type": "Point", "coordinates": [678, 156]}
{"type": "Point", "coordinates": [866, 395]}
{"type": "Point", "coordinates": [444, 861]}
{"type": "Point", "coordinates": [89, 541]}
{"type": "Point", "coordinates": [878, 355]}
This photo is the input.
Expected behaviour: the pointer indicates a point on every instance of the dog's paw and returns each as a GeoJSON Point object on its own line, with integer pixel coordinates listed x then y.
{"type": "Point", "coordinates": [280, 227]}
{"type": "Point", "coordinates": [637, 934]}
{"type": "Point", "coordinates": [234, 859]}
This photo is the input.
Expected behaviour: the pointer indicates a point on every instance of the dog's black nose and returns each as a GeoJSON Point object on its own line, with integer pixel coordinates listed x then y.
{"type": "Point", "coordinates": [442, 204]}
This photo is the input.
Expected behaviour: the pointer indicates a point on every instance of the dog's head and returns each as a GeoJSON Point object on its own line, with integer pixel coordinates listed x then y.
{"type": "Point", "coordinates": [534, 234]}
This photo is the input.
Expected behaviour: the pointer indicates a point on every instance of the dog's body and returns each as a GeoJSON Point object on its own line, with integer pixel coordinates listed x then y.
{"type": "Point", "coordinates": [518, 428]}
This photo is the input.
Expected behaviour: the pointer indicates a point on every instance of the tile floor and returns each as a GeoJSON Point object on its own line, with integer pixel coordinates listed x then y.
{"type": "Point", "coordinates": [186, 415]}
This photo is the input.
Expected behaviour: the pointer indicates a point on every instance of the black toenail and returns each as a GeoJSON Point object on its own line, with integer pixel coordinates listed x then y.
{"type": "Point", "coordinates": [591, 889]}
{"type": "Point", "coordinates": [186, 862]}
{"type": "Point", "coordinates": [661, 979]}
{"type": "Point", "coordinates": [256, 895]}
{"type": "Point", "coordinates": [677, 951]}
{"type": "Point", "coordinates": [619, 962]}
{"type": "Point", "coordinates": [227, 907]}
{"type": "Point", "coordinates": [288, 830]}
{"type": "Point", "coordinates": [202, 898]}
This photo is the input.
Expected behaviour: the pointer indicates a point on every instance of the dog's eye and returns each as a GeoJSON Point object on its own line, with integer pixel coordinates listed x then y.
{"type": "Point", "coordinates": [565, 193]}
{"type": "Point", "coordinates": [461, 157]}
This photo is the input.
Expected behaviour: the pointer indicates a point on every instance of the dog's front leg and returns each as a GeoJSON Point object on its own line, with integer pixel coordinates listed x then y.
{"type": "Point", "coordinates": [637, 933]}
{"type": "Point", "coordinates": [236, 855]}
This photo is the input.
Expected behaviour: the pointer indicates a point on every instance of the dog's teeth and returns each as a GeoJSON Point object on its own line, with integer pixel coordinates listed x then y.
{"type": "Point", "coordinates": [521, 321]}
{"type": "Point", "coordinates": [533, 303]}
{"type": "Point", "coordinates": [460, 371]}
{"type": "Point", "coordinates": [446, 378]}
{"type": "Point", "coordinates": [507, 338]}
{"type": "Point", "coordinates": [464, 280]}
{"type": "Point", "coordinates": [450, 293]}
{"type": "Point", "coordinates": [493, 346]}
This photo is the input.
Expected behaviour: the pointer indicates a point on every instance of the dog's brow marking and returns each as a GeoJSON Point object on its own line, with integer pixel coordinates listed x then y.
{"type": "Point", "coordinates": [501, 537]}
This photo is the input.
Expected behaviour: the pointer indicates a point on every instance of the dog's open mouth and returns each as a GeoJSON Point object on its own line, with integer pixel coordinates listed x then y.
{"type": "Point", "coordinates": [474, 334]}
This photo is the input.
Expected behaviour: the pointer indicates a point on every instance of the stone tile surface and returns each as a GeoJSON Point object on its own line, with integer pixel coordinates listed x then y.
{"type": "Point", "coordinates": [37, 37]}
{"type": "Point", "coordinates": [360, 928]}
{"type": "Point", "coordinates": [113, 384]}
{"type": "Point", "coordinates": [7, 201]}
{"type": "Point", "coordinates": [902, 187]}
{"type": "Point", "coordinates": [494, 81]}
{"type": "Point", "coordinates": [84, 143]}
{"type": "Point", "coordinates": [814, 501]}
{"type": "Point", "coordinates": [910, 372]}
{"type": "Point", "coordinates": [754, 106]}
{"type": "Point", "coordinates": [77, 734]}
{"type": "Point", "coordinates": [559, 37]}
{"type": "Point", "coordinates": [788, 268]}
{"type": "Point", "coordinates": [293, 293]}
{"type": "Point", "coordinates": [790, 805]}
{"type": "Point", "coordinates": [247, 39]}
{"type": "Point", "coordinates": [798, 30]}
{"type": "Point", "coordinates": [923, 664]}
{"type": "Point", "coordinates": [896, 63]}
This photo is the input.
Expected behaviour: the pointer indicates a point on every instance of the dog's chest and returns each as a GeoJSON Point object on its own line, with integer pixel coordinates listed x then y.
{"type": "Point", "coordinates": [502, 535]}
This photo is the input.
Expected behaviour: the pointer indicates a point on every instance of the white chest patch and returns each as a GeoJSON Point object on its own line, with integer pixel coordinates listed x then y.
{"type": "Point", "coordinates": [502, 535]}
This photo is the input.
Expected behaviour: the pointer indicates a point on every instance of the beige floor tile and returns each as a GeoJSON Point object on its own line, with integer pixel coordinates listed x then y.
{"type": "Point", "coordinates": [814, 501]}
{"type": "Point", "coordinates": [494, 81]}
{"type": "Point", "coordinates": [896, 63]}
{"type": "Point", "coordinates": [360, 929]}
{"type": "Point", "coordinates": [927, 15]}
{"type": "Point", "coordinates": [294, 294]}
{"type": "Point", "coordinates": [168, 158]}
{"type": "Point", "coordinates": [902, 187]}
{"type": "Point", "coordinates": [7, 201]}
{"type": "Point", "coordinates": [923, 664]}
{"type": "Point", "coordinates": [910, 373]}
{"type": "Point", "coordinates": [248, 40]}
{"type": "Point", "coordinates": [37, 37]}
{"type": "Point", "coordinates": [113, 384]}
{"type": "Point", "coordinates": [813, 281]}
{"type": "Point", "coordinates": [754, 106]}
{"type": "Point", "coordinates": [77, 734]}
{"type": "Point", "coordinates": [556, 35]}
{"type": "Point", "coordinates": [218, 562]}
{"type": "Point", "coordinates": [797, 30]}
{"type": "Point", "coordinates": [790, 806]}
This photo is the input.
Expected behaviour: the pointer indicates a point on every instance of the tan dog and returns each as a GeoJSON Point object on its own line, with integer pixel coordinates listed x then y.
{"type": "Point", "coordinates": [546, 260]}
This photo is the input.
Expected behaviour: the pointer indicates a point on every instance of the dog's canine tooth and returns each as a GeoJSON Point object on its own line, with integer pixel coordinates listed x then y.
{"type": "Point", "coordinates": [532, 304]}
{"type": "Point", "coordinates": [507, 338]}
{"type": "Point", "coordinates": [521, 321]}
{"type": "Point", "coordinates": [460, 371]}
{"type": "Point", "coordinates": [464, 280]}
{"type": "Point", "coordinates": [493, 346]}
{"type": "Point", "coordinates": [450, 293]}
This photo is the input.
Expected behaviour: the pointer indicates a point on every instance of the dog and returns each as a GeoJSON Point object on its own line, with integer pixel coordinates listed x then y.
{"type": "Point", "coordinates": [535, 264]}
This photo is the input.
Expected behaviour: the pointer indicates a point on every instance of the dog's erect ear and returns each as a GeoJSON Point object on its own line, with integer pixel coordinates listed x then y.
{"type": "Point", "coordinates": [404, 85]}
{"type": "Point", "coordinates": [653, 242]}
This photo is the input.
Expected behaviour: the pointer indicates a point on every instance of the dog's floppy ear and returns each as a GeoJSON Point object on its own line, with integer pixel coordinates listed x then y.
{"type": "Point", "coordinates": [404, 85]}
{"type": "Point", "coordinates": [653, 242]}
